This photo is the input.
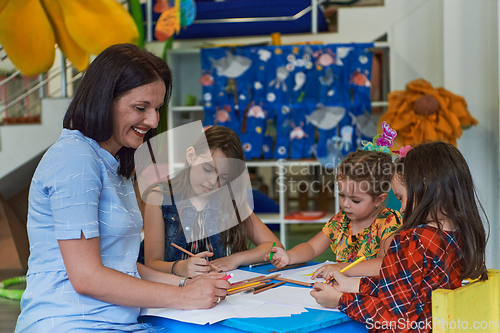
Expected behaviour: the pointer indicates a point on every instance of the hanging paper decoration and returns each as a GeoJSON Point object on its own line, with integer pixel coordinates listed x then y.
{"type": "Point", "coordinates": [423, 113]}
{"type": "Point", "coordinates": [169, 21]}
{"type": "Point", "coordinates": [295, 101]}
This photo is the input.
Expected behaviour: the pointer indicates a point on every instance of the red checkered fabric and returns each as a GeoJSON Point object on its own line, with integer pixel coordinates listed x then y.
{"type": "Point", "coordinates": [399, 300]}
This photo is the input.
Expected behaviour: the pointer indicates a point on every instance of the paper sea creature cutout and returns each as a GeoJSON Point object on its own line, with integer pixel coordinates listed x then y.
{"type": "Point", "coordinates": [281, 75]}
{"type": "Point", "coordinates": [346, 137]}
{"type": "Point", "coordinates": [300, 79]}
{"type": "Point", "coordinates": [222, 116]}
{"type": "Point", "coordinates": [207, 80]}
{"type": "Point", "coordinates": [324, 58]}
{"type": "Point", "coordinates": [366, 124]}
{"type": "Point", "coordinates": [327, 79]}
{"type": "Point", "coordinates": [297, 133]}
{"type": "Point", "coordinates": [231, 66]}
{"type": "Point", "coordinates": [359, 79]}
{"type": "Point", "coordinates": [256, 112]}
{"type": "Point", "coordinates": [342, 52]}
{"type": "Point", "coordinates": [333, 156]}
{"type": "Point", "coordinates": [264, 54]}
{"type": "Point", "coordinates": [326, 117]}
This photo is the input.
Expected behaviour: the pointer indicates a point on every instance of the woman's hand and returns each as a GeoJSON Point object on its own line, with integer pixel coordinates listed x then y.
{"type": "Point", "coordinates": [326, 271]}
{"type": "Point", "coordinates": [227, 263]}
{"type": "Point", "coordinates": [345, 284]}
{"type": "Point", "coordinates": [204, 291]}
{"type": "Point", "coordinates": [194, 266]}
{"type": "Point", "coordinates": [326, 295]}
{"type": "Point", "coordinates": [280, 257]}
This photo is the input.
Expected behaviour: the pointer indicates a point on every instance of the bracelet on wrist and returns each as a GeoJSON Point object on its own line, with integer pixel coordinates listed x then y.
{"type": "Point", "coordinates": [173, 265]}
{"type": "Point", "coordinates": [182, 283]}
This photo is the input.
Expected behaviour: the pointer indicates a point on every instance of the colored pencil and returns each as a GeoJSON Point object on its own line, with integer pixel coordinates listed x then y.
{"type": "Point", "coordinates": [287, 267]}
{"type": "Point", "coordinates": [192, 255]}
{"type": "Point", "coordinates": [247, 287]}
{"type": "Point", "coordinates": [271, 254]}
{"type": "Point", "coordinates": [269, 287]}
{"type": "Point", "coordinates": [257, 278]}
{"type": "Point", "coordinates": [295, 282]}
{"type": "Point", "coordinates": [259, 264]}
{"type": "Point", "coordinates": [244, 286]}
{"type": "Point", "coordinates": [351, 265]}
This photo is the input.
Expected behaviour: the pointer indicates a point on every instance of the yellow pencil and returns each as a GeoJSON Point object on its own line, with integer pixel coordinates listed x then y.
{"type": "Point", "coordinates": [360, 259]}
{"type": "Point", "coordinates": [244, 286]}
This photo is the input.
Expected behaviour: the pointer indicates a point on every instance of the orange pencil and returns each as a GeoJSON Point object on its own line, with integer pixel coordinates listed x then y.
{"type": "Point", "coordinates": [273, 285]}
{"type": "Point", "coordinates": [192, 255]}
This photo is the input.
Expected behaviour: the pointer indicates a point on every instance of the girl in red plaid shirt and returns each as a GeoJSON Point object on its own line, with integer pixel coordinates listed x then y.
{"type": "Point", "coordinates": [442, 241]}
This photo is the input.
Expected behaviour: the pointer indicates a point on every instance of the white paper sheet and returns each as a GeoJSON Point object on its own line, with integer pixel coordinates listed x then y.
{"type": "Point", "coordinates": [293, 296]}
{"type": "Point", "coordinates": [234, 306]}
{"type": "Point", "coordinates": [304, 273]}
{"type": "Point", "coordinates": [282, 301]}
{"type": "Point", "coordinates": [239, 275]}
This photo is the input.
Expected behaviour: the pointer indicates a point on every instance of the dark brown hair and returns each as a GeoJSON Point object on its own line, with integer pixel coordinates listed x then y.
{"type": "Point", "coordinates": [372, 167]}
{"type": "Point", "coordinates": [439, 183]}
{"type": "Point", "coordinates": [227, 141]}
{"type": "Point", "coordinates": [117, 70]}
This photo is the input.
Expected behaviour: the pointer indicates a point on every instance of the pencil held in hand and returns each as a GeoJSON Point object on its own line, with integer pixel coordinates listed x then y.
{"type": "Point", "coordinates": [271, 254]}
{"type": "Point", "coordinates": [351, 265]}
{"type": "Point", "coordinates": [192, 255]}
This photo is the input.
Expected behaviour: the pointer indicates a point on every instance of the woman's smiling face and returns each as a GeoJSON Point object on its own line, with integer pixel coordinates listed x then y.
{"type": "Point", "coordinates": [134, 114]}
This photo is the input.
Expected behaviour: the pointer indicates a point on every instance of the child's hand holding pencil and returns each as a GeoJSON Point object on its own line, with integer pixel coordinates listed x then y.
{"type": "Point", "coordinates": [327, 271]}
{"type": "Point", "coordinates": [277, 256]}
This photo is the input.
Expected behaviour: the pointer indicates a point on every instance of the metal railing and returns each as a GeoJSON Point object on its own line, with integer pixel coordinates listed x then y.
{"type": "Point", "coordinates": [41, 87]}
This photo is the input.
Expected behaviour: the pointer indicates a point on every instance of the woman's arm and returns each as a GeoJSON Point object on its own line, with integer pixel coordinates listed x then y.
{"type": "Point", "coordinates": [261, 236]}
{"type": "Point", "coordinates": [90, 277]}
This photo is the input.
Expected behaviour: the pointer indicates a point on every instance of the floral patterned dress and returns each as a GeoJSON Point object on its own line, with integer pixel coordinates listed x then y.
{"type": "Point", "coordinates": [348, 247]}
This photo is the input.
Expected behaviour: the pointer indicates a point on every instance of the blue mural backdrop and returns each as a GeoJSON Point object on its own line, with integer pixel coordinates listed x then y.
{"type": "Point", "coordinates": [293, 101]}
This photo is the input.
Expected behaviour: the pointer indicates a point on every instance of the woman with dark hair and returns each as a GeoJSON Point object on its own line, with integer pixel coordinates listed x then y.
{"type": "Point", "coordinates": [84, 223]}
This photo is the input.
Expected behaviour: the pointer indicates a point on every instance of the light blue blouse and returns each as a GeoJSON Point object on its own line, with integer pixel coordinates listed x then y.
{"type": "Point", "coordinates": [76, 189]}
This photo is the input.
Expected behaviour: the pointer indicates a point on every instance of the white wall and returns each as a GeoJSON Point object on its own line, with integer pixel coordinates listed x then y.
{"type": "Point", "coordinates": [470, 52]}
{"type": "Point", "coordinates": [20, 143]}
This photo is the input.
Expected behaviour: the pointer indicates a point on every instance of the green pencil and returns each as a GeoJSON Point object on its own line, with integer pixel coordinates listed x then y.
{"type": "Point", "coordinates": [271, 254]}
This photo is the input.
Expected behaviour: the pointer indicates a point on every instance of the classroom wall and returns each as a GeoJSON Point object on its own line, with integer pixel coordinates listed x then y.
{"type": "Point", "coordinates": [471, 64]}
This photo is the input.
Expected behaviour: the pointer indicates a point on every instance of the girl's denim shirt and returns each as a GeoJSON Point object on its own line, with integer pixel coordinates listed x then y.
{"type": "Point", "coordinates": [174, 233]}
